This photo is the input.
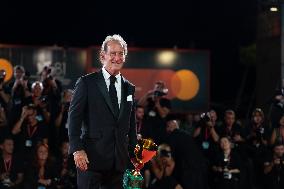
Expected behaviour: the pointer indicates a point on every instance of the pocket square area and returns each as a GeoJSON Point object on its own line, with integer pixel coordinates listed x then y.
{"type": "Point", "coordinates": [129, 98]}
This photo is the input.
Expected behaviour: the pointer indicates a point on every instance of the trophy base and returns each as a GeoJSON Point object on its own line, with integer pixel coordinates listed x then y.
{"type": "Point", "coordinates": [132, 180]}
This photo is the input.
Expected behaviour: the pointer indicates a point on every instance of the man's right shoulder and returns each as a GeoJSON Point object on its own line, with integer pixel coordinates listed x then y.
{"type": "Point", "coordinates": [89, 76]}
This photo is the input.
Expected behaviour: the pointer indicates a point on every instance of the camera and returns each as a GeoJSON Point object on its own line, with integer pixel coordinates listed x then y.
{"type": "Point", "coordinates": [165, 153]}
{"type": "Point", "coordinates": [160, 89]}
{"type": "Point", "coordinates": [259, 133]}
{"type": "Point", "coordinates": [26, 76]}
{"type": "Point", "coordinates": [43, 99]}
{"type": "Point", "coordinates": [66, 105]}
{"type": "Point", "coordinates": [226, 173]}
{"type": "Point", "coordinates": [205, 117]}
{"type": "Point", "coordinates": [159, 93]}
{"type": "Point", "coordinates": [2, 75]}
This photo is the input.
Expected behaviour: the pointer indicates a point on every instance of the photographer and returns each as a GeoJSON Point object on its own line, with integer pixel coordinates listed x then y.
{"type": "Point", "coordinates": [227, 166]}
{"type": "Point", "coordinates": [206, 135]}
{"type": "Point", "coordinates": [20, 90]}
{"type": "Point", "coordinates": [29, 131]}
{"type": "Point", "coordinates": [67, 169]}
{"type": "Point", "coordinates": [257, 143]}
{"type": "Point", "coordinates": [157, 107]}
{"type": "Point", "coordinates": [191, 167]}
{"type": "Point", "coordinates": [162, 167]}
{"type": "Point", "coordinates": [4, 91]}
{"type": "Point", "coordinates": [40, 101]}
{"type": "Point", "coordinates": [278, 132]}
{"type": "Point", "coordinates": [11, 170]}
{"type": "Point", "coordinates": [42, 171]}
{"type": "Point", "coordinates": [258, 133]}
{"type": "Point", "coordinates": [4, 128]}
{"type": "Point", "coordinates": [274, 168]}
{"type": "Point", "coordinates": [61, 120]}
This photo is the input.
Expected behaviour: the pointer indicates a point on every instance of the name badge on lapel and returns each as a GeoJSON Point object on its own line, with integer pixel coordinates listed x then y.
{"type": "Point", "coordinates": [129, 98]}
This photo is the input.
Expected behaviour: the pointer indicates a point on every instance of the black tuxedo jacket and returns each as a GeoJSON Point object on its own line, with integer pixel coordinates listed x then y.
{"type": "Point", "coordinates": [107, 140]}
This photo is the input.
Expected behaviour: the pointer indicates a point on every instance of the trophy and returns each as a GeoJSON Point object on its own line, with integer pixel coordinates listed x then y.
{"type": "Point", "coordinates": [144, 151]}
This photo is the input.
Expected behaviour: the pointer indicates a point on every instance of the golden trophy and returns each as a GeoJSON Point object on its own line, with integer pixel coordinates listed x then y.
{"type": "Point", "coordinates": [144, 151]}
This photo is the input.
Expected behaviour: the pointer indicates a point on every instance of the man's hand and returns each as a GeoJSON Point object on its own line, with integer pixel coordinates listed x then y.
{"type": "Point", "coordinates": [81, 160]}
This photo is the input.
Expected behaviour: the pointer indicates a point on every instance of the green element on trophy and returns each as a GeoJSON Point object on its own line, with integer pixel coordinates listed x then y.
{"type": "Point", "coordinates": [132, 181]}
{"type": "Point", "coordinates": [144, 151]}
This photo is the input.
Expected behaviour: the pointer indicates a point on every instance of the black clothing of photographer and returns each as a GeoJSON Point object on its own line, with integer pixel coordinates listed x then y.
{"type": "Point", "coordinates": [157, 107]}
{"type": "Point", "coordinates": [4, 91]}
{"type": "Point", "coordinates": [20, 88]}
{"type": "Point", "coordinates": [206, 136]}
{"type": "Point", "coordinates": [227, 166]}
{"type": "Point", "coordinates": [274, 168]}
{"type": "Point", "coordinates": [162, 167]}
{"type": "Point", "coordinates": [191, 167]}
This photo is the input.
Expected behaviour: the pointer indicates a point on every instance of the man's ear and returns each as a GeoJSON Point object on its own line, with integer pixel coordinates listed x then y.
{"type": "Point", "coordinates": [1, 146]}
{"type": "Point", "coordinates": [102, 56]}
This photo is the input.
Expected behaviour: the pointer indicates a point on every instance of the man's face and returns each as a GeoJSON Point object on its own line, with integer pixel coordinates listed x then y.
{"type": "Point", "coordinates": [257, 118]}
{"type": "Point", "coordinates": [37, 91]}
{"type": "Point", "coordinates": [114, 57]}
{"type": "Point", "coordinates": [139, 113]}
{"type": "Point", "coordinates": [42, 153]}
{"type": "Point", "coordinates": [18, 73]}
{"type": "Point", "coordinates": [213, 115]}
{"type": "Point", "coordinates": [229, 119]}
{"type": "Point", "coordinates": [279, 150]}
{"type": "Point", "coordinates": [225, 143]}
{"type": "Point", "coordinates": [171, 126]}
{"type": "Point", "coordinates": [8, 146]}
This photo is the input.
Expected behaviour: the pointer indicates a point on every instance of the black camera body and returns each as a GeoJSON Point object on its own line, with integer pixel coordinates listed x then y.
{"type": "Point", "coordinates": [259, 133]}
{"type": "Point", "coordinates": [226, 174]}
{"type": "Point", "coordinates": [43, 99]}
{"type": "Point", "coordinates": [159, 93]}
{"type": "Point", "coordinates": [165, 153]}
{"type": "Point", "coordinates": [2, 75]}
{"type": "Point", "coordinates": [205, 117]}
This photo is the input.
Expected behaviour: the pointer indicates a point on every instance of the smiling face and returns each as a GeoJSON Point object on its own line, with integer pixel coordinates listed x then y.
{"type": "Point", "coordinates": [42, 152]}
{"type": "Point", "coordinates": [113, 57]}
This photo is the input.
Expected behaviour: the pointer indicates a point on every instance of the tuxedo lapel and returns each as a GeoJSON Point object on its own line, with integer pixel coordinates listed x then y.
{"type": "Point", "coordinates": [103, 88]}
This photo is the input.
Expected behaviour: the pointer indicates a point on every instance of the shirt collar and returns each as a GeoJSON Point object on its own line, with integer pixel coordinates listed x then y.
{"type": "Point", "coordinates": [107, 75]}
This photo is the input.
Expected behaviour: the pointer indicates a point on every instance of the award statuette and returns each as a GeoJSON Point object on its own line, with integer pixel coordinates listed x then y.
{"type": "Point", "coordinates": [144, 151]}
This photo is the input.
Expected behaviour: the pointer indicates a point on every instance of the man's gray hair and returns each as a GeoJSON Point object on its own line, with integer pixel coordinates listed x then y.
{"type": "Point", "coordinates": [114, 37]}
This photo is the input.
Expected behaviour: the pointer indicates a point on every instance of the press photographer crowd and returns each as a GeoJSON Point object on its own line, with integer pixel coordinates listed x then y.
{"type": "Point", "coordinates": [201, 150]}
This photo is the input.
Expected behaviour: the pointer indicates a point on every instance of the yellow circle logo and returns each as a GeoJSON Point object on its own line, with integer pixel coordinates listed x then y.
{"type": "Point", "coordinates": [7, 66]}
{"type": "Point", "coordinates": [185, 84]}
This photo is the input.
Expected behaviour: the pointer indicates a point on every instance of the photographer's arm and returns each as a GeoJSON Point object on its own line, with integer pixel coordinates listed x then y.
{"type": "Point", "coordinates": [234, 171]}
{"type": "Point", "coordinates": [163, 111]}
{"type": "Point", "coordinates": [58, 120]}
{"type": "Point", "coordinates": [156, 170]}
{"type": "Point", "coordinates": [17, 127]}
{"type": "Point", "coordinates": [143, 101]}
{"type": "Point", "coordinates": [170, 165]}
{"type": "Point", "coordinates": [46, 114]}
{"type": "Point", "coordinates": [268, 167]}
{"type": "Point", "coordinates": [214, 134]}
{"type": "Point", "coordinates": [19, 180]}
{"type": "Point", "coordinates": [197, 132]}
{"type": "Point", "coordinates": [273, 136]}
{"type": "Point", "coordinates": [5, 97]}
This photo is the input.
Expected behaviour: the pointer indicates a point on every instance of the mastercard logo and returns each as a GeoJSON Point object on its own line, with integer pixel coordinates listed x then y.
{"type": "Point", "coordinates": [7, 66]}
{"type": "Point", "coordinates": [185, 84]}
{"type": "Point", "coordinates": [182, 84]}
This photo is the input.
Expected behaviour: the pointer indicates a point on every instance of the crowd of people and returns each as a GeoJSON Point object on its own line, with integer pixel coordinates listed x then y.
{"type": "Point", "coordinates": [195, 150]}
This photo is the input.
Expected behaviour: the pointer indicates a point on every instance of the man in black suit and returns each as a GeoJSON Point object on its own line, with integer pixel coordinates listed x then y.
{"type": "Point", "coordinates": [102, 121]}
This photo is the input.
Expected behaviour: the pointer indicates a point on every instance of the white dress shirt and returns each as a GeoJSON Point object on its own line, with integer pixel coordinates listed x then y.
{"type": "Point", "coordinates": [117, 83]}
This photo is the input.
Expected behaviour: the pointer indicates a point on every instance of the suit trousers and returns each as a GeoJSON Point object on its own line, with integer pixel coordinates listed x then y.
{"type": "Point", "coordinates": [111, 179]}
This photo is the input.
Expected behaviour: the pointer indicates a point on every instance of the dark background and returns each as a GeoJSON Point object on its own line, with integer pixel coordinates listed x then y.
{"type": "Point", "coordinates": [222, 27]}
